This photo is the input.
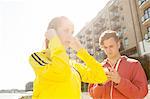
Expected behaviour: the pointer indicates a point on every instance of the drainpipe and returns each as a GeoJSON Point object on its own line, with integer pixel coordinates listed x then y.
{"type": "Point", "coordinates": [140, 26]}
{"type": "Point", "coordinates": [133, 26]}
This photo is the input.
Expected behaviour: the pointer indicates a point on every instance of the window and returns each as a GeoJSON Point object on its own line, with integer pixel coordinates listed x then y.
{"type": "Point", "coordinates": [126, 42]}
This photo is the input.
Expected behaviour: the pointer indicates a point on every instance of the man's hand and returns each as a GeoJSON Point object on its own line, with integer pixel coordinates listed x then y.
{"type": "Point", "coordinates": [113, 75]}
{"type": "Point", "coordinates": [75, 44]}
{"type": "Point", "coordinates": [50, 33]}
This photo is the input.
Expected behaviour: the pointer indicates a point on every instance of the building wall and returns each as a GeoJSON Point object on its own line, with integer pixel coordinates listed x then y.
{"type": "Point", "coordinates": [130, 20]}
{"type": "Point", "coordinates": [118, 15]}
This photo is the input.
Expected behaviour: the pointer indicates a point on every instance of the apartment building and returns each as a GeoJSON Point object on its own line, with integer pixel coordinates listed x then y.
{"type": "Point", "coordinates": [131, 20]}
{"type": "Point", "coordinates": [143, 7]}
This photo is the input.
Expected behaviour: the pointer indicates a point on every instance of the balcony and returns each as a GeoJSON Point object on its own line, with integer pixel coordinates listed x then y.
{"type": "Point", "coordinates": [115, 26]}
{"type": "Point", "coordinates": [114, 16]}
{"type": "Point", "coordinates": [99, 22]}
{"type": "Point", "coordinates": [80, 36]}
{"type": "Point", "coordinates": [144, 4]}
{"type": "Point", "coordinates": [89, 31]}
{"type": "Point", "coordinates": [82, 39]}
{"type": "Point", "coordinates": [82, 42]}
{"type": "Point", "coordinates": [103, 28]}
{"type": "Point", "coordinates": [89, 46]}
{"type": "Point", "coordinates": [97, 48]}
{"type": "Point", "coordinates": [144, 47]}
{"type": "Point", "coordinates": [113, 7]}
{"type": "Point", "coordinates": [146, 22]}
{"type": "Point", "coordinates": [96, 39]}
{"type": "Point", "coordinates": [147, 37]}
{"type": "Point", "coordinates": [146, 17]}
{"type": "Point", "coordinates": [97, 45]}
{"type": "Point", "coordinates": [90, 43]}
{"type": "Point", "coordinates": [88, 38]}
{"type": "Point", "coordinates": [91, 51]}
{"type": "Point", "coordinates": [97, 30]}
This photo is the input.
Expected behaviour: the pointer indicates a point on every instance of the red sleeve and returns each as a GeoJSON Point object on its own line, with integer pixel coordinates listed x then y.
{"type": "Point", "coordinates": [96, 91]}
{"type": "Point", "coordinates": [137, 88]}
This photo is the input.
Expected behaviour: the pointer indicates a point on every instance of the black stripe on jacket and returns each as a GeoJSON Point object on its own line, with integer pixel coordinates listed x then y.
{"type": "Point", "coordinates": [36, 60]}
{"type": "Point", "coordinates": [40, 59]}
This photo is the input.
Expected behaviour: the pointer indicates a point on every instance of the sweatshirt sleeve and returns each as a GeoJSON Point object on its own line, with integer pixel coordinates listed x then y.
{"type": "Point", "coordinates": [137, 88]}
{"type": "Point", "coordinates": [56, 68]}
{"type": "Point", "coordinates": [96, 91]}
{"type": "Point", "coordinates": [93, 71]}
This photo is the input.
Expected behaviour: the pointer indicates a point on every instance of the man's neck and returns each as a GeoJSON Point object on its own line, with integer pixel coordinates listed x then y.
{"type": "Point", "coordinates": [114, 59]}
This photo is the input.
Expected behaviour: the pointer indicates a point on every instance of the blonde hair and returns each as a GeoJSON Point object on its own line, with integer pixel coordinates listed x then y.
{"type": "Point", "coordinates": [55, 22]}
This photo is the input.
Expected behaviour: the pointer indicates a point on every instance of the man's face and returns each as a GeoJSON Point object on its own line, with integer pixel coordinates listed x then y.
{"type": "Point", "coordinates": [66, 29]}
{"type": "Point", "coordinates": [111, 47]}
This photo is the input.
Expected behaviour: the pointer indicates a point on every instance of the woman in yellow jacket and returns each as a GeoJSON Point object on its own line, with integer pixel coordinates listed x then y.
{"type": "Point", "coordinates": [56, 76]}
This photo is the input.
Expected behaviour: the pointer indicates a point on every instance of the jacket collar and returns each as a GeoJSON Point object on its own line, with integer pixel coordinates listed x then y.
{"type": "Point", "coordinates": [122, 58]}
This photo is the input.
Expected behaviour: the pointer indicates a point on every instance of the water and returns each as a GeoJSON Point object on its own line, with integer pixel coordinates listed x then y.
{"type": "Point", "coordinates": [12, 95]}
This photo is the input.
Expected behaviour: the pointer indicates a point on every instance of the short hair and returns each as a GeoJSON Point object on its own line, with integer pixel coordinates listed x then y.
{"type": "Point", "coordinates": [106, 35]}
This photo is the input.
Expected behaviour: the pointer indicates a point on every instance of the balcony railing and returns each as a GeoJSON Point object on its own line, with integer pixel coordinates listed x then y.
{"type": "Point", "coordinates": [114, 15]}
{"type": "Point", "coordinates": [80, 36]}
{"type": "Point", "coordinates": [91, 43]}
{"type": "Point", "coordinates": [88, 38]}
{"type": "Point", "coordinates": [89, 31]}
{"type": "Point", "coordinates": [91, 51]}
{"type": "Point", "coordinates": [113, 7]}
{"type": "Point", "coordinates": [116, 26]}
{"type": "Point", "coordinates": [96, 39]}
{"type": "Point", "coordinates": [146, 18]}
{"type": "Point", "coordinates": [144, 47]}
{"type": "Point", "coordinates": [144, 3]}
{"type": "Point", "coordinates": [99, 22]}
{"type": "Point", "coordinates": [97, 45]}
{"type": "Point", "coordinates": [147, 36]}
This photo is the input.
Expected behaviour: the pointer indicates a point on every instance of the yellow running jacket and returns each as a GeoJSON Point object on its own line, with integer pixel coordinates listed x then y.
{"type": "Point", "coordinates": [59, 78]}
